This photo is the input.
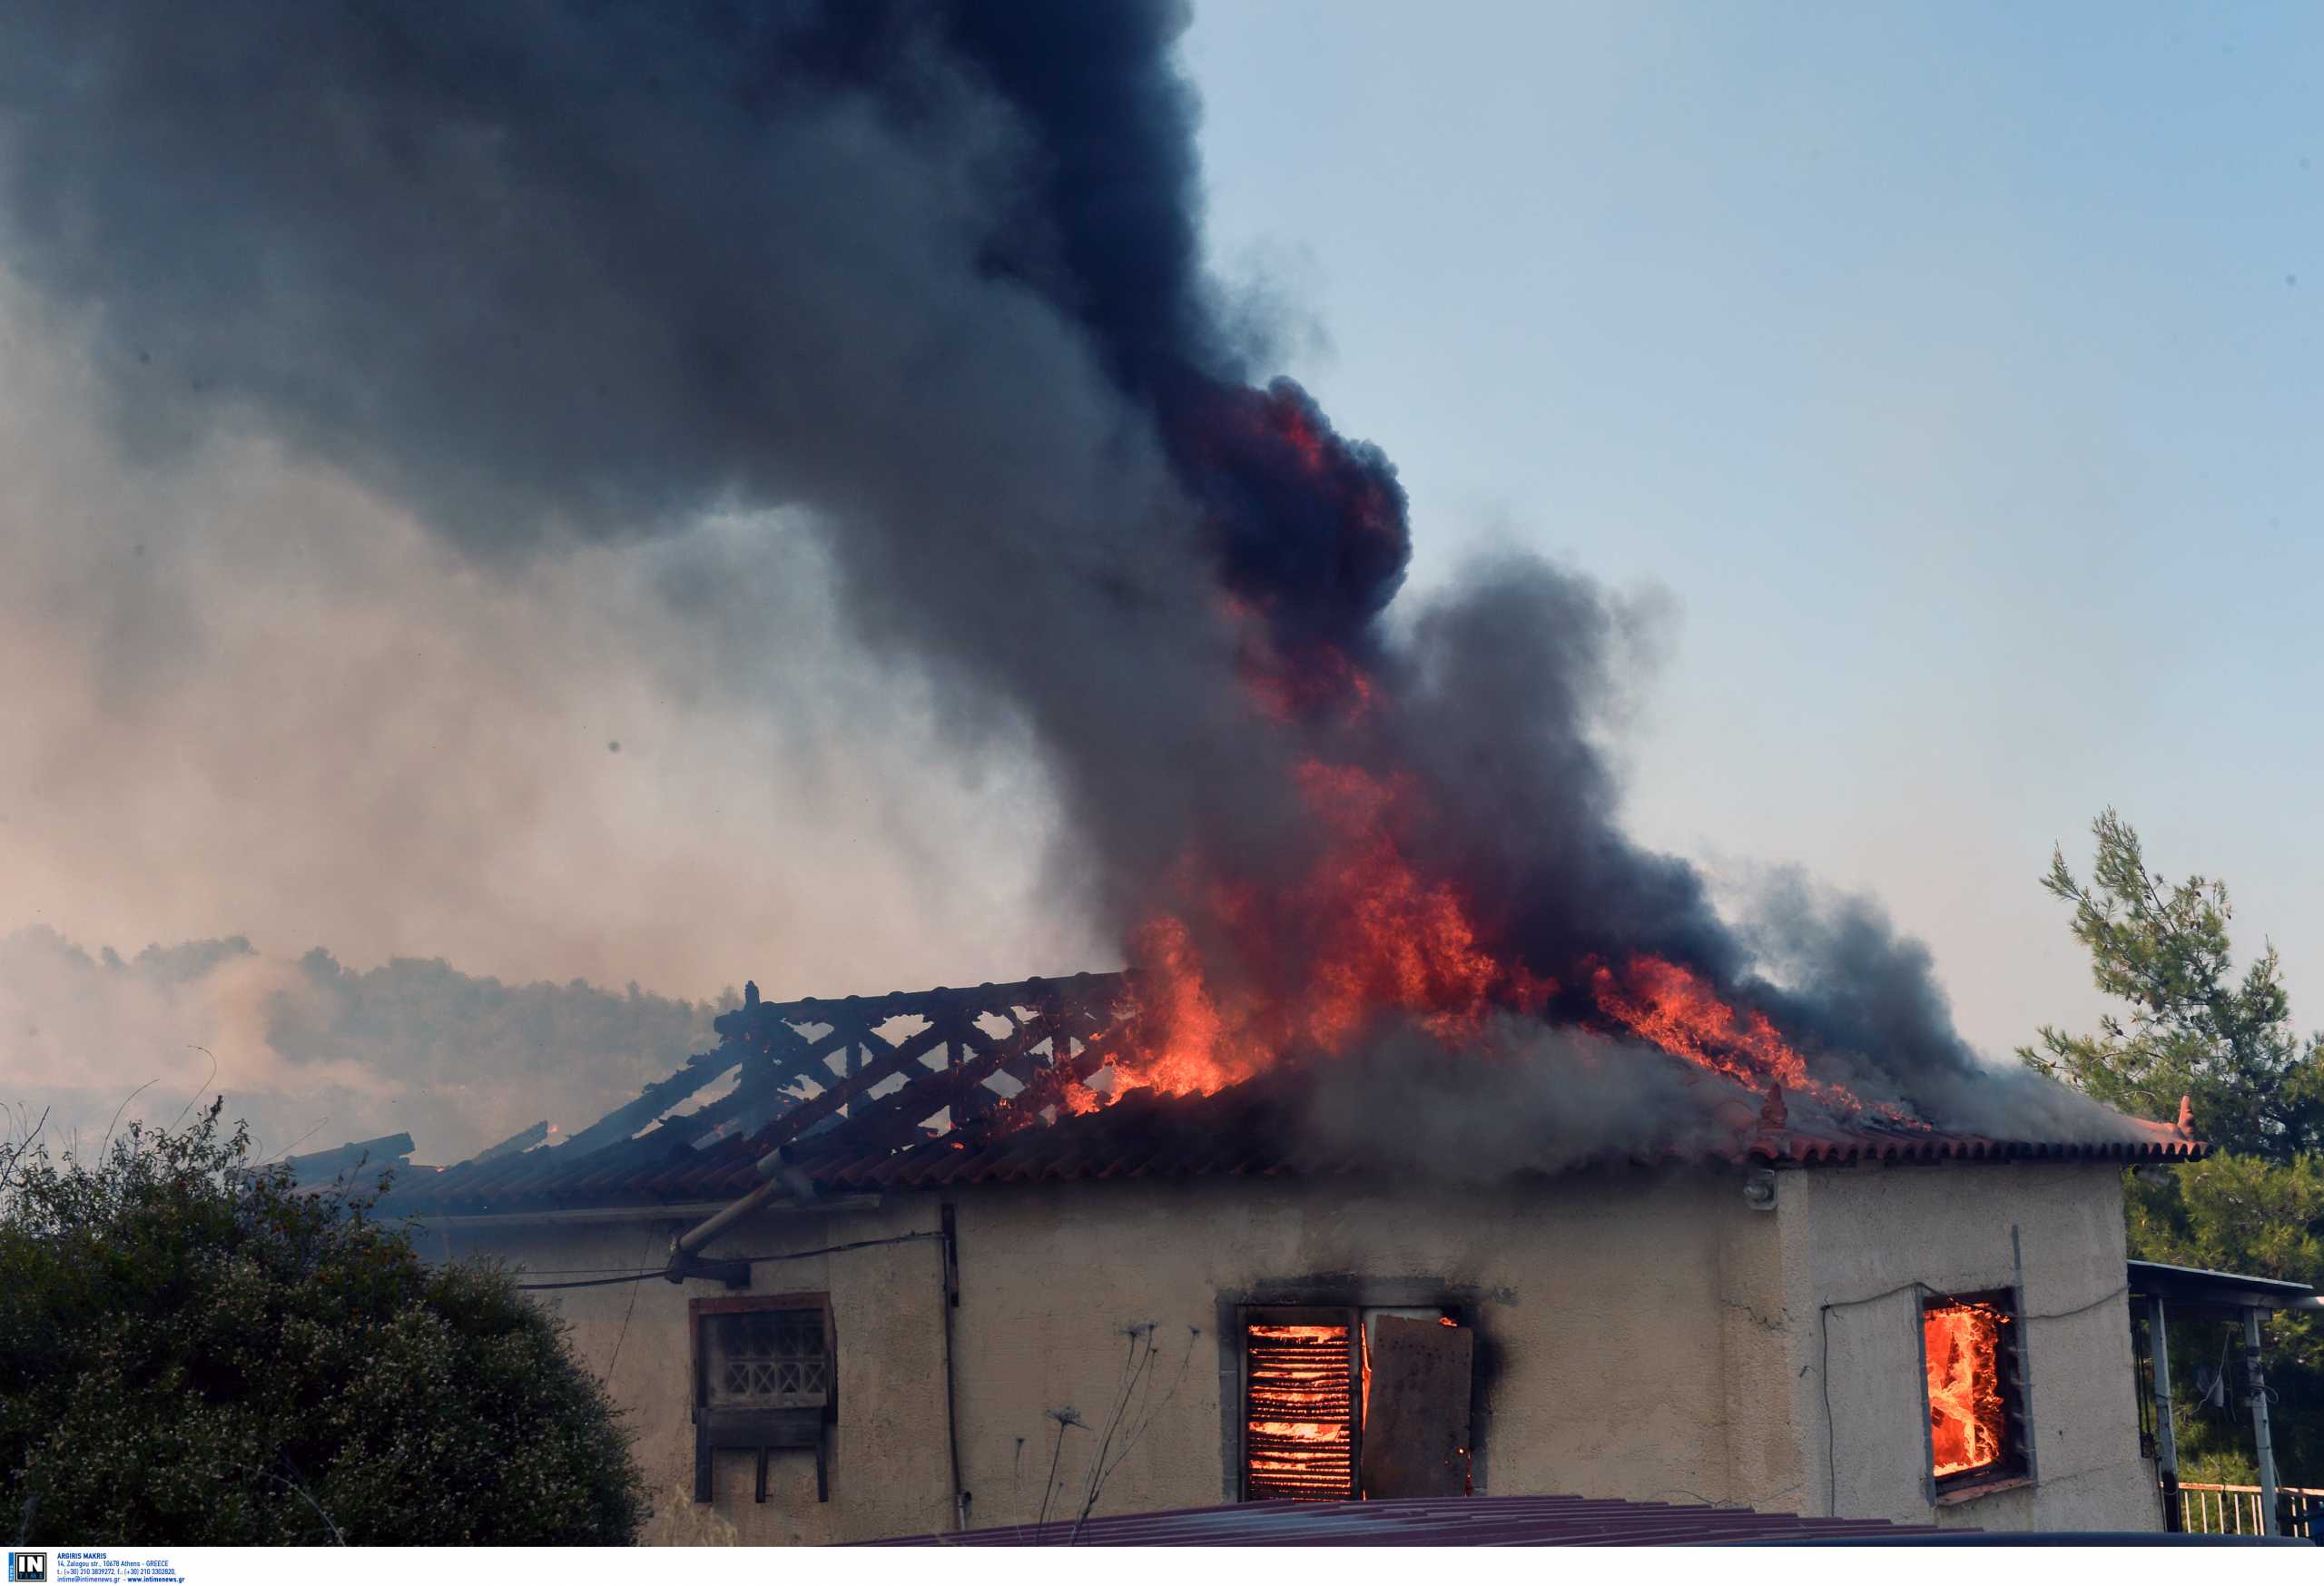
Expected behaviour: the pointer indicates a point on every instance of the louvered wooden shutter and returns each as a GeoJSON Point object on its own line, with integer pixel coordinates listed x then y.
{"type": "Point", "coordinates": [1299, 1409]}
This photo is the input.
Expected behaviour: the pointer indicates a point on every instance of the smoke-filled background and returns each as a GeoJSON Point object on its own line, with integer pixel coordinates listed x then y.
{"type": "Point", "coordinates": [668, 492]}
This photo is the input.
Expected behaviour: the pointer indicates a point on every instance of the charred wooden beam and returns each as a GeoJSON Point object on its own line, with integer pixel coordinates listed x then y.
{"type": "Point", "coordinates": [768, 1039]}
{"type": "Point", "coordinates": [524, 1139]}
{"type": "Point", "coordinates": [386, 1151]}
{"type": "Point", "coordinates": [893, 1061]}
{"type": "Point", "coordinates": [1071, 992]}
{"type": "Point", "coordinates": [656, 1099]}
{"type": "Point", "coordinates": [889, 1119]}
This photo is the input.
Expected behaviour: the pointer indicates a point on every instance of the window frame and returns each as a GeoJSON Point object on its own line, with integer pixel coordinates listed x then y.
{"type": "Point", "coordinates": [760, 1429]}
{"type": "Point", "coordinates": [2016, 1463]}
{"type": "Point", "coordinates": [1330, 1303]}
{"type": "Point", "coordinates": [707, 1314]}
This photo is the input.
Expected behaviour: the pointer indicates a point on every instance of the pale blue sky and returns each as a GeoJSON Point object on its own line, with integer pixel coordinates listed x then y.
{"type": "Point", "coordinates": [1953, 368]}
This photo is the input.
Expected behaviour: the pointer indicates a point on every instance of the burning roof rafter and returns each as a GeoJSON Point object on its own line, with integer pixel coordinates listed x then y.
{"type": "Point", "coordinates": [843, 1088]}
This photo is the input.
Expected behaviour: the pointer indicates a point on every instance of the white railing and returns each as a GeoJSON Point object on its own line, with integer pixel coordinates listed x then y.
{"type": "Point", "coordinates": [2219, 1509]}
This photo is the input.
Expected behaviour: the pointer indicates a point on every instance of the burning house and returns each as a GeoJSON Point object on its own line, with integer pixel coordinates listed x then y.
{"type": "Point", "coordinates": [922, 1263]}
{"type": "Point", "coordinates": [1438, 1137]}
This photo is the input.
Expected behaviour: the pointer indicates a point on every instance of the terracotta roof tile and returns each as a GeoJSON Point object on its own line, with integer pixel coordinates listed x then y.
{"type": "Point", "coordinates": [1257, 1128]}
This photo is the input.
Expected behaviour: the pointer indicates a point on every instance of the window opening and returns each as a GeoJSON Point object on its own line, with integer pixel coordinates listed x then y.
{"type": "Point", "coordinates": [1343, 1403]}
{"type": "Point", "coordinates": [765, 1383]}
{"type": "Point", "coordinates": [1299, 1421]}
{"type": "Point", "coordinates": [1969, 1345]}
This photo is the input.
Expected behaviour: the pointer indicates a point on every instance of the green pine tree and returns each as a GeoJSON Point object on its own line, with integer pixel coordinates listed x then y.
{"type": "Point", "coordinates": [2191, 1027]}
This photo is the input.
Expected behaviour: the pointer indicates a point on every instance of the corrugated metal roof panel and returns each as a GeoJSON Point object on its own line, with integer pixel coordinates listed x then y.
{"type": "Point", "coordinates": [1527, 1522]}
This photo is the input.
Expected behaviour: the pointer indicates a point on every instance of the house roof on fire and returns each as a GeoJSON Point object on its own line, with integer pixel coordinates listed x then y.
{"type": "Point", "coordinates": [939, 1088]}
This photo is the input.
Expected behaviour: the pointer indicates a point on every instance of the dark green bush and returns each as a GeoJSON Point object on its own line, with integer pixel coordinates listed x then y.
{"type": "Point", "coordinates": [193, 1352]}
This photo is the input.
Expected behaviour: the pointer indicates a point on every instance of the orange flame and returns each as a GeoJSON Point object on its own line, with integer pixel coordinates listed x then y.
{"type": "Point", "coordinates": [1298, 1431]}
{"type": "Point", "coordinates": [1236, 975]}
{"type": "Point", "coordinates": [1384, 939]}
{"type": "Point", "coordinates": [1677, 1010]}
{"type": "Point", "coordinates": [1379, 938]}
{"type": "Point", "coordinates": [1966, 1417]}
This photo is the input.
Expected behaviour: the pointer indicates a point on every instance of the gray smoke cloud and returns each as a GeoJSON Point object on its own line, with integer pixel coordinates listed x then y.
{"type": "Point", "coordinates": [720, 340]}
{"type": "Point", "coordinates": [246, 694]}
{"type": "Point", "coordinates": [749, 468]}
{"type": "Point", "coordinates": [1840, 960]}
{"type": "Point", "coordinates": [547, 274]}
{"type": "Point", "coordinates": [1531, 1098]}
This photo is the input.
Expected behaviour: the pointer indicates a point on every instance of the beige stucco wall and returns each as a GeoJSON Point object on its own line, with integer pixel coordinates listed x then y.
{"type": "Point", "coordinates": [1640, 1337]}
{"type": "Point", "coordinates": [2053, 1233]}
{"type": "Point", "coordinates": [1605, 1312]}
{"type": "Point", "coordinates": [889, 1469]}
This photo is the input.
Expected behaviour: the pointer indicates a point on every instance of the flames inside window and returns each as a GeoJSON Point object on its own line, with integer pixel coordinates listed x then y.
{"type": "Point", "coordinates": [1356, 1402]}
{"type": "Point", "coordinates": [1299, 1435]}
{"type": "Point", "coordinates": [1971, 1357]}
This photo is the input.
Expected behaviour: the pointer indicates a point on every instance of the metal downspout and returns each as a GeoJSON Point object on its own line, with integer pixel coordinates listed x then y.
{"type": "Point", "coordinates": [2166, 1437]}
{"type": "Point", "coordinates": [950, 1248]}
{"type": "Point", "coordinates": [2256, 1378]}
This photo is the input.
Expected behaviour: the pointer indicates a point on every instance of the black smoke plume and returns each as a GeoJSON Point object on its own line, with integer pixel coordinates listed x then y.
{"type": "Point", "coordinates": [551, 271]}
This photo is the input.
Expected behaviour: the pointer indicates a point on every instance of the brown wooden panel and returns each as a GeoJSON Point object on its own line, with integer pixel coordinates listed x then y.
{"type": "Point", "coordinates": [1416, 1417]}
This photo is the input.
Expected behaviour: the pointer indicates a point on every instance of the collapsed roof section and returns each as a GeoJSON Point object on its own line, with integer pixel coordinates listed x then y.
{"type": "Point", "coordinates": [885, 1073]}
{"type": "Point", "coordinates": [951, 1087]}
